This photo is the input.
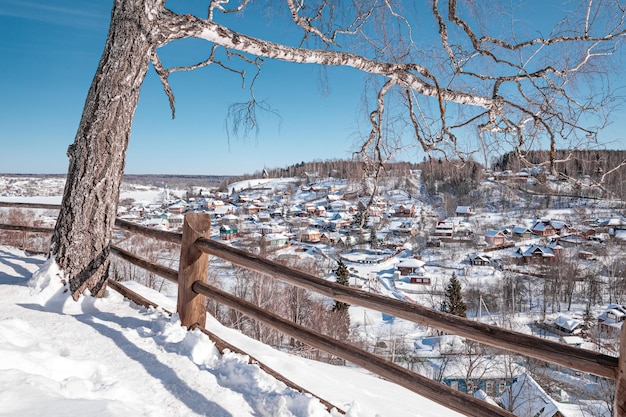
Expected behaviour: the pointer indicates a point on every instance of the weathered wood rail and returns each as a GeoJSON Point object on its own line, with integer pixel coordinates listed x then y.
{"type": "Point", "coordinates": [191, 279]}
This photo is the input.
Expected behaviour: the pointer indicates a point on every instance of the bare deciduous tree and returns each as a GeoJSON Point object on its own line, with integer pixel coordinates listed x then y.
{"type": "Point", "coordinates": [444, 73]}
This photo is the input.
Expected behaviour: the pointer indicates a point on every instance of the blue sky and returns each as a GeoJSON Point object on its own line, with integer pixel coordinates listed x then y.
{"type": "Point", "coordinates": [50, 51]}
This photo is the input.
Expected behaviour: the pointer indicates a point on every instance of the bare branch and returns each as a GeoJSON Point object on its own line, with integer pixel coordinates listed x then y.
{"type": "Point", "coordinates": [163, 76]}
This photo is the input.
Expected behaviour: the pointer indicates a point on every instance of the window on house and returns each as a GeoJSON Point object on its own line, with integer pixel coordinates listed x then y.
{"type": "Point", "coordinates": [489, 387]}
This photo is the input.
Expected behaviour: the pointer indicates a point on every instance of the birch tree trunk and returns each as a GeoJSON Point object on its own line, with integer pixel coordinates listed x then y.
{"type": "Point", "coordinates": [82, 235]}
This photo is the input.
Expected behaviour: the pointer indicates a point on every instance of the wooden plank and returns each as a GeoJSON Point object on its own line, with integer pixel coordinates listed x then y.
{"type": "Point", "coordinates": [161, 235]}
{"type": "Point", "coordinates": [550, 351]}
{"type": "Point", "coordinates": [193, 266]}
{"type": "Point", "coordinates": [132, 295]}
{"type": "Point", "coordinates": [30, 229]}
{"type": "Point", "coordinates": [160, 270]}
{"type": "Point", "coordinates": [30, 205]}
{"type": "Point", "coordinates": [412, 381]}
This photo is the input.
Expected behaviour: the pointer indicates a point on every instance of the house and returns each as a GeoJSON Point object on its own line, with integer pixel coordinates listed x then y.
{"type": "Point", "coordinates": [137, 211]}
{"type": "Point", "coordinates": [276, 240]}
{"type": "Point", "coordinates": [311, 236]}
{"type": "Point", "coordinates": [566, 326]}
{"type": "Point", "coordinates": [546, 228]}
{"type": "Point", "coordinates": [520, 232]}
{"type": "Point", "coordinates": [228, 232]}
{"type": "Point", "coordinates": [410, 266]}
{"type": "Point", "coordinates": [405, 228]}
{"type": "Point", "coordinates": [178, 207]}
{"type": "Point", "coordinates": [444, 229]}
{"type": "Point", "coordinates": [464, 211]}
{"type": "Point", "coordinates": [527, 398]}
{"type": "Point", "coordinates": [611, 320]}
{"type": "Point", "coordinates": [479, 260]}
{"type": "Point", "coordinates": [330, 237]}
{"type": "Point", "coordinates": [403, 210]}
{"type": "Point", "coordinates": [375, 211]}
{"type": "Point", "coordinates": [543, 228]}
{"type": "Point", "coordinates": [250, 209]}
{"type": "Point", "coordinates": [611, 225]}
{"type": "Point", "coordinates": [417, 279]}
{"type": "Point", "coordinates": [340, 221]}
{"type": "Point", "coordinates": [320, 211]}
{"type": "Point", "coordinates": [538, 254]}
{"type": "Point", "coordinates": [176, 221]}
{"type": "Point", "coordinates": [225, 210]}
{"type": "Point", "coordinates": [494, 376]}
{"type": "Point", "coordinates": [339, 205]}
{"type": "Point", "coordinates": [495, 237]}
{"type": "Point", "coordinates": [264, 217]}
{"type": "Point", "coordinates": [159, 223]}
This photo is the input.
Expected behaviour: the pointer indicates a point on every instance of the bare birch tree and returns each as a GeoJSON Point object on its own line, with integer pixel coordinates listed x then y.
{"type": "Point", "coordinates": [455, 77]}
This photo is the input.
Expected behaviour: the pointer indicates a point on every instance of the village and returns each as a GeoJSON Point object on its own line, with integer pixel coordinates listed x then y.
{"type": "Point", "coordinates": [559, 276]}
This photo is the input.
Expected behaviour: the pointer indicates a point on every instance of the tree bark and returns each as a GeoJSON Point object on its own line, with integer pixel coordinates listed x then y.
{"type": "Point", "coordinates": [82, 235]}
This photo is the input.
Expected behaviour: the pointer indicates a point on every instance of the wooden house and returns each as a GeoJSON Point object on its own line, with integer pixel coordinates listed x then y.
{"type": "Point", "coordinates": [527, 398]}
{"type": "Point", "coordinates": [178, 207]}
{"type": "Point", "coordinates": [495, 237]}
{"type": "Point", "coordinates": [479, 260]}
{"type": "Point", "coordinates": [404, 210]}
{"type": "Point", "coordinates": [492, 376]}
{"type": "Point", "coordinates": [228, 232]}
{"type": "Point", "coordinates": [417, 279]}
{"type": "Point", "coordinates": [611, 320]}
{"type": "Point", "coordinates": [547, 228]}
{"type": "Point", "coordinates": [444, 229]}
{"type": "Point", "coordinates": [535, 254]}
{"type": "Point", "coordinates": [276, 240]}
{"type": "Point", "coordinates": [464, 211]}
{"type": "Point", "coordinates": [311, 236]}
{"type": "Point", "coordinates": [410, 266]}
{"type": "Point", "coordinates": [520, 232]}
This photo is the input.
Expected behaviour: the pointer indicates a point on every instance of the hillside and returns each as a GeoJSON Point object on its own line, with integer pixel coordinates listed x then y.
{"type": "Point", "coordinates": [109, 358]}
{"type": "Point", "coordinates": [532, 257]}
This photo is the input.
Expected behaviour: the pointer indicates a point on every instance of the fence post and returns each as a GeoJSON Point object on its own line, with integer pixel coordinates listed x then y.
{"type": "Point", "coordinates": [620, 379]}
{"type": "Point", "coordinates": [193, 266]}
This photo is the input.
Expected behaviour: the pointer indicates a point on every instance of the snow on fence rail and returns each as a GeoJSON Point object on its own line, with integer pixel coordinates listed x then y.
{"type": "Point", "coordinates": [191, 279]}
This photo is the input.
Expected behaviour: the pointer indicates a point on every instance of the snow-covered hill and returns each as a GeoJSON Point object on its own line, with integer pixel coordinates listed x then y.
{"type": "Point", "coordinates": [108, 357]}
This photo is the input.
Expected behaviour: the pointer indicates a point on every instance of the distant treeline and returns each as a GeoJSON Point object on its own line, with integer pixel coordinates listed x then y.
{"type": "Point", "coordinates": [336, 168]}
{"type": "Point", "coordinates": [177, 181]}
{"type": "Point", "coordinates": [579, 164]}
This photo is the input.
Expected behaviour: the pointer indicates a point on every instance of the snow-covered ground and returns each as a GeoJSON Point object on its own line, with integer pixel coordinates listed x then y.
{"type": "Point", "coordinates": [108, 357]}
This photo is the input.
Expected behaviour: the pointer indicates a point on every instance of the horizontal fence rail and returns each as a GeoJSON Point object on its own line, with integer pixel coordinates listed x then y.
{"type": "Point", "coordinates": [546, 350]}
{"type": "Point", "coordinates": [531, 346]}
{"type": "Point", "coordinates": [30, 205]}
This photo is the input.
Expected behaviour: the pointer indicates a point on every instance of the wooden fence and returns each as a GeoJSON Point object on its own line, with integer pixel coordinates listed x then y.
{"type": "Point", "coordinates": [193, 288]}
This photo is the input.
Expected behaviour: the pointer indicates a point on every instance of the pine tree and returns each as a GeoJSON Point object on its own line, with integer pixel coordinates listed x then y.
{"type": "Point", "coordinates": [343, 278]}
{"type": "Point", "coordinates": [453, 302]}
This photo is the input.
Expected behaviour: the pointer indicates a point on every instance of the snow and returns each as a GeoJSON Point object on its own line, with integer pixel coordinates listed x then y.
{"type": "Point", "coordinates": [107, 357]}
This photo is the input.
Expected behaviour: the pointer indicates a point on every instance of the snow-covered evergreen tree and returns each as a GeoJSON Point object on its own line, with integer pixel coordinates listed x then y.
{"type": "Point", "coordinates": [453, 299]}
